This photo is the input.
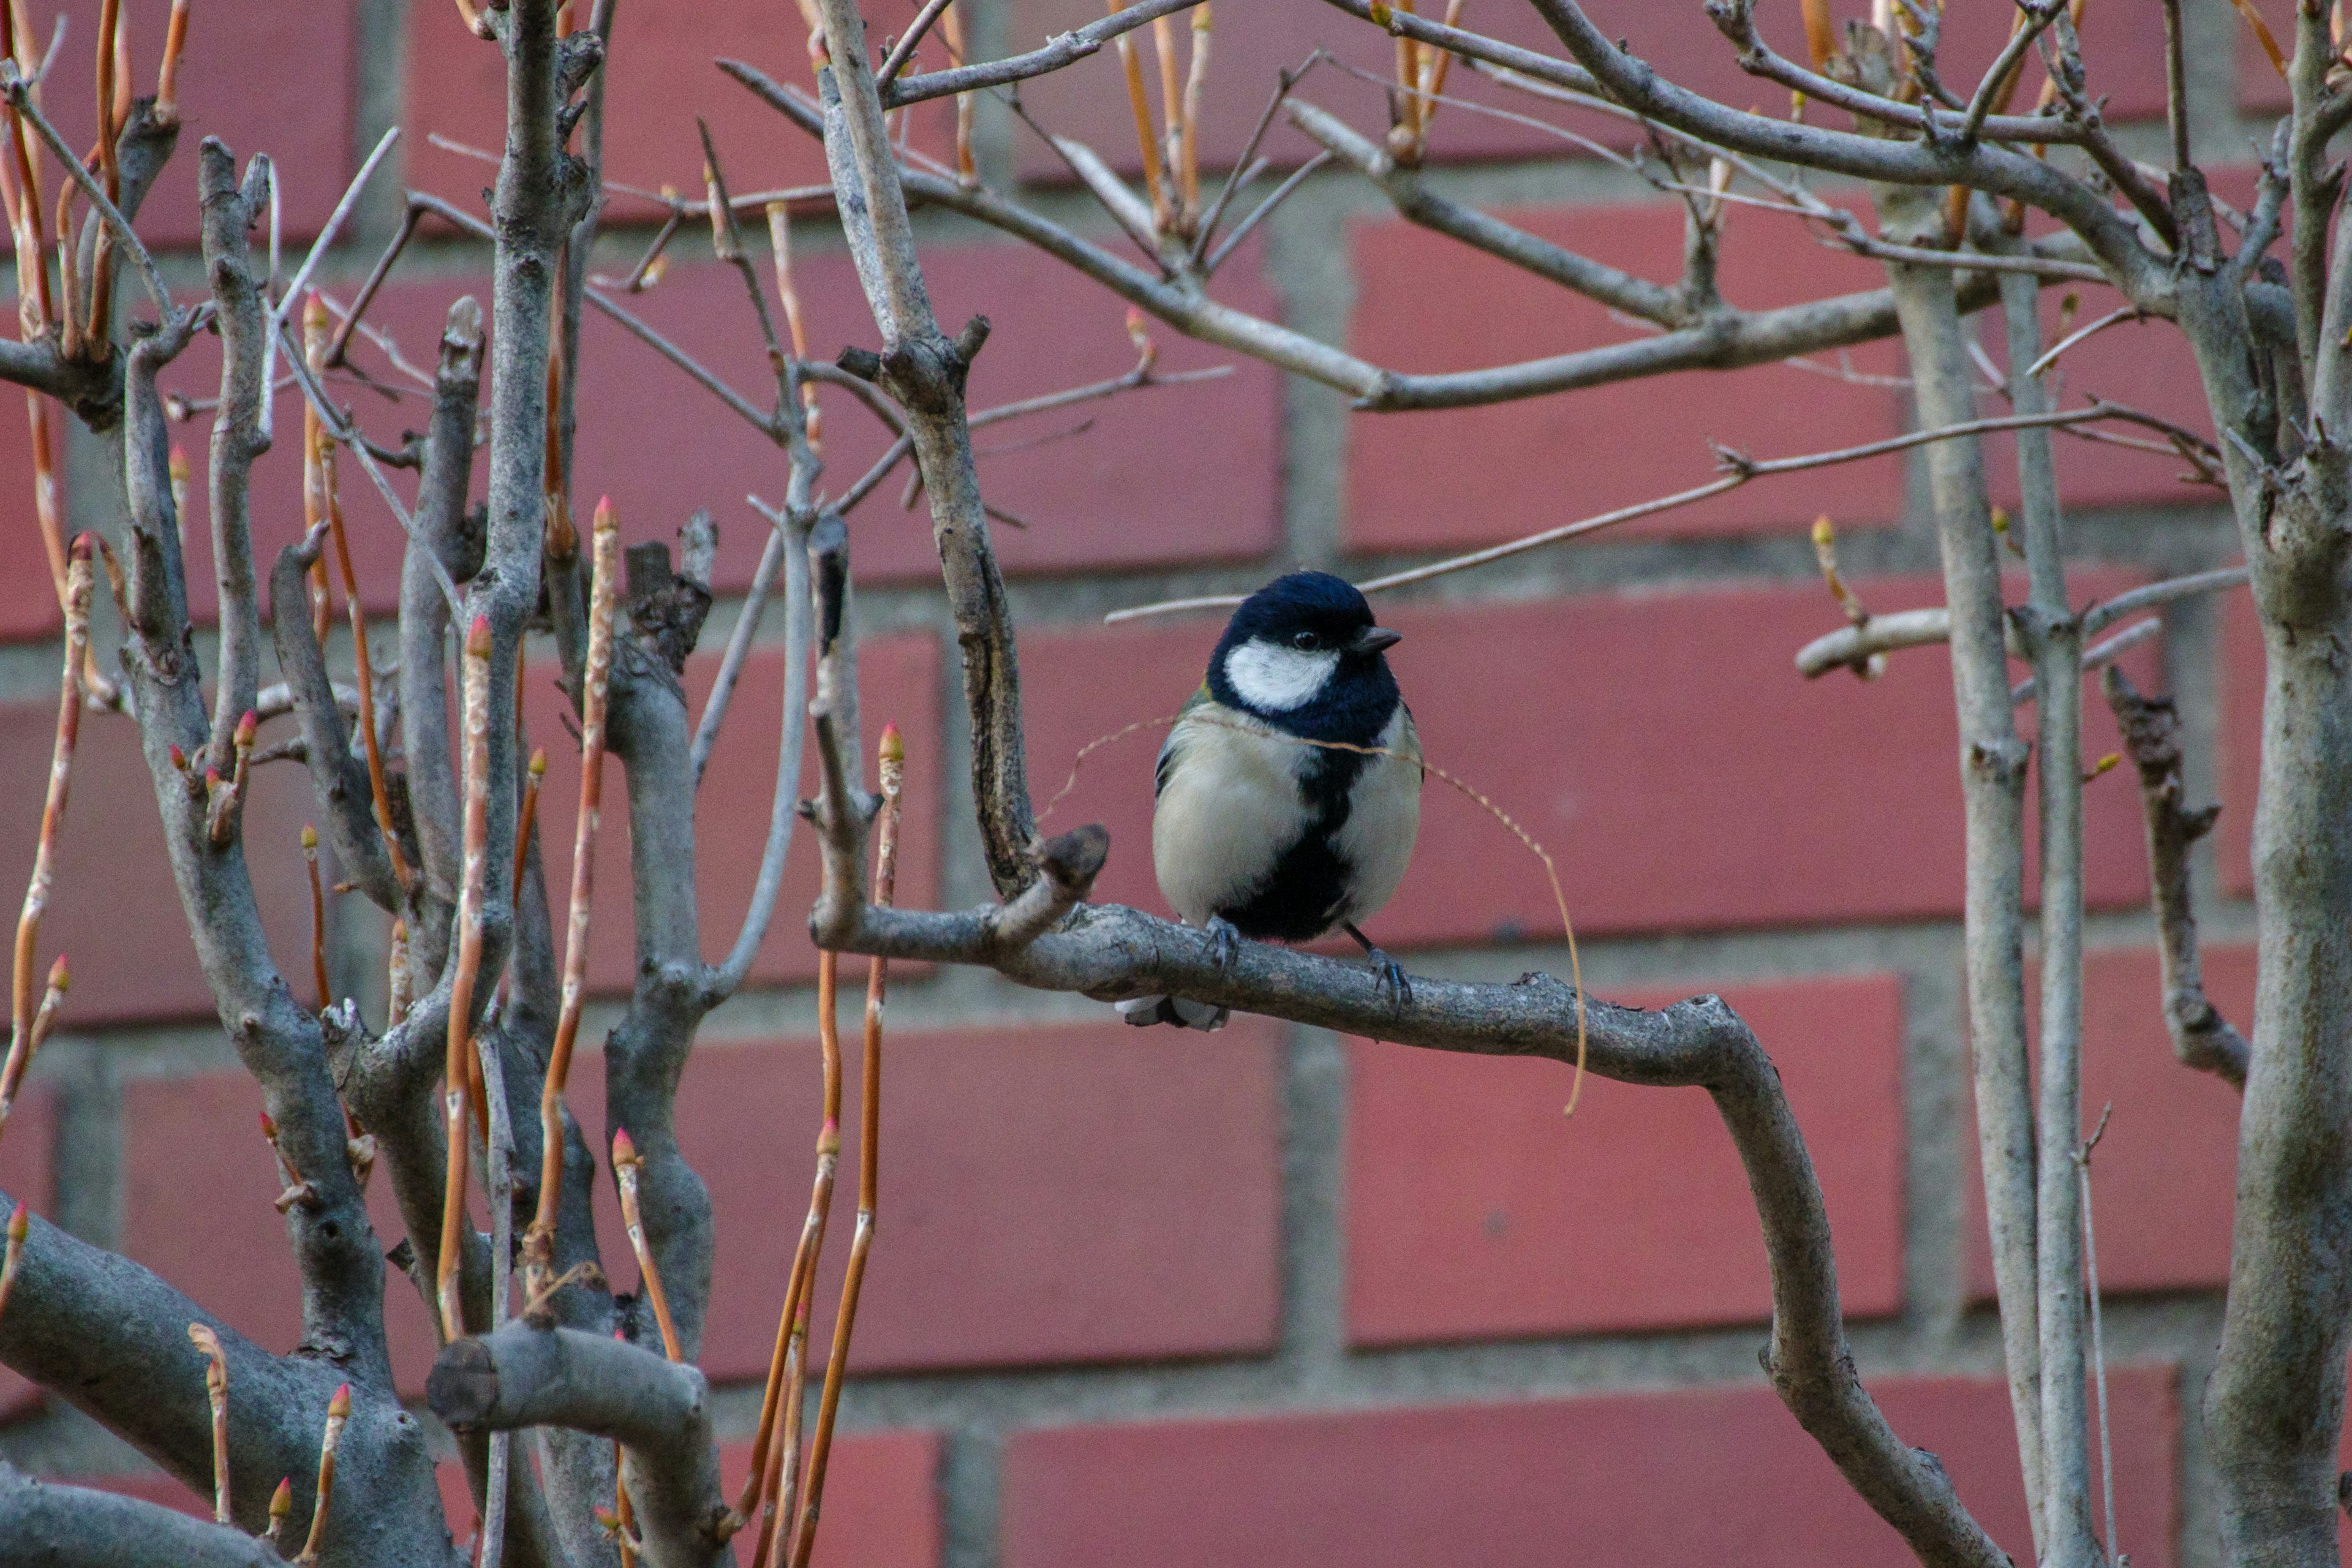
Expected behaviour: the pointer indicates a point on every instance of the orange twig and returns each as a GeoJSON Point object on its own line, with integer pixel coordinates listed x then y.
{"type": "Point", "coordinates": [785, 1366]}
{"type": "Point", "coordinates": [534, 773]}
{"type": "Point", "coordinates": [952, 27]}
{"type": "Point", "coordinates": [226, 800]}
{"type": "Point", "coordinates": [457, 1064]}
{"type": "Point", "coordinates": [35, 307]}
{"type": "Point", "coordinates": [21, 1040]}
{"type": "Point", "coordinates": [780, 243]}
{"type": "Point", "coordinates": [20, 1225]}
{"type": "Point", "coordinates": [113, 109]}
{"type": "Point", "coordinates": [625, 1164]}
{"type": "Point", "coordinates": [1188, 140]}
{"type": "Point", "coordinates": [338, 1412]}
{"type": "Point", "coordinates": [314, 349]}
{"type": "Point", "coordinates": [1141, 104]}
{"type": "Point", "coordinates": [216, 1395]}
{"type": "Point", "coordinates": [317, 918]}
{"type": "Point", "coordinates": [891, 767]}
{"type": "Point", "coordinates": [167, 75]}
{"type": "Point", "coordinates": [539, 1242]}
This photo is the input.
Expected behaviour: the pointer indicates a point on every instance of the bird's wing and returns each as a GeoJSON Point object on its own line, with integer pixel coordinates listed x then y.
{"type": "Point", "coordinates": [1168, 749]}
{"type": "Point", "coordinates": [1409, 740]}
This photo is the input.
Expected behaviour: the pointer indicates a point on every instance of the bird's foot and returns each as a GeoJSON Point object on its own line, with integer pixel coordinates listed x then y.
{"type": "Point", "coordinates": [1224, 942]}
{"type": "Point", "coordinates": [1390, 976]}
{"type": "Point", "coordinates": [1387, 973]}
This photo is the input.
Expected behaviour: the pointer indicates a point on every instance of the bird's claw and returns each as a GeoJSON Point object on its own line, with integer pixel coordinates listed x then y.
{"type": "Point", "coordinates": [1224, 942]}
{"type": "Point", "coordinates": [1389, 975]}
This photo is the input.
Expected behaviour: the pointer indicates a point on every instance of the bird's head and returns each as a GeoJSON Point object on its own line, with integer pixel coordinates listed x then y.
{"type": "Point", "coordinates": [1303, 645]}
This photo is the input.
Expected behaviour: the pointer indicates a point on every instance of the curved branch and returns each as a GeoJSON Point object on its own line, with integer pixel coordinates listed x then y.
{"type": "Point", "coordinates": [657, 1410]}
{"type": "Point", "coordinates": [1929, 162]}
{"type": "Point", "coordinates": [1111, 952]}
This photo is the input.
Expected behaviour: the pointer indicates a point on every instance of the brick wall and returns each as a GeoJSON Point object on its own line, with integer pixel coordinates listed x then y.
{"type": "Point", "coordinates": [1275, 1297]}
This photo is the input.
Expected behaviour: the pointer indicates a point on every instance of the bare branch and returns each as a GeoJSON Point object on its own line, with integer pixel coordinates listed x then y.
{"type": "Point", "coordinates": [1992, 778]}
{"type": "Point", "coordinates": [2201, 1037]}
{"type": "Point", "coordinates": [657, 1410]}
{"type": "Point", "coordinates": [1059, 51]}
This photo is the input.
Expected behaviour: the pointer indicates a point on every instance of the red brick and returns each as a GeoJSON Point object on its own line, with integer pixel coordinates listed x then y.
{"type": "Point", "coordinates": [113, 910]}
{"type": "Point", "coordinates": [231, 45]}
{"type": "Point", "coordinates": [658, 77]}
{"type": "Point", "coordinates": [2260, 88]}
{"type": "Point", "coordinates": [881, 1497]}
{"type": "Point", "coordinates": [2165, 1175]}
{"type": "Point", "coordinates": [1089, 100]}
{"type": "Point", "coordinates": [2243, 675]}
{"type": "Point", "coordinates": [29, 599]}
{"type": "Point", "coordinates": [1112, 491]}
{"type": "Point", "coordinates": [1048, 1195]}
{"type": "Point", "coordinates": [1706, 730]}
{"type": "Point", "coordinates": [900, 679]}
{"type": "Point", "coordinates": [1666, 1478]}
{"type": "Point", "coordinates": [1475, 1211]}
{"type": "Point", "coordinates": [1121, 493]}
{"type": "Point", "coordinates": [1053, 1196]}
{"type": "Point", "coordinates": [1476, 476]}
{"type": "Point", "coordinates": [28, 1175]}
{"type": "Point", "coordinates": [198, 1186]}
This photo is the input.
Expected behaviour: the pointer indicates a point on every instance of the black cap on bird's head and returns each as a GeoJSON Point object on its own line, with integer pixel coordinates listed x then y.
{"type": "Point", "coordinates": [1308, 639]}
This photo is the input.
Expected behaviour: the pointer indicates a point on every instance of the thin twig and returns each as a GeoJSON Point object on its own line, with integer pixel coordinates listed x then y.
{"type": "Point", "coordinates": [1740, 470]}
{"type": "Point", "coordinates": [217, 1397]}
{"type": "Point", "coordinates": [22, 1041]}
{"type": "Point", "coordinates": [891, 760]}
{"type": "Point", "coordinates": [538, 1243]}
{"type": "Point", "coordinates": [904, 50]}
{"type": "Point", "coordinates": [339, 1413]}
{"type": "Point", "coordinates": [459, 1067]}
{"type": "Point", "coordinates": [624, 1176]}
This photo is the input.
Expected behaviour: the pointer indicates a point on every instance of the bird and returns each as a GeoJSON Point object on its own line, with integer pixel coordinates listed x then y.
{"type": "Point", "coordinates": [1287, 795]}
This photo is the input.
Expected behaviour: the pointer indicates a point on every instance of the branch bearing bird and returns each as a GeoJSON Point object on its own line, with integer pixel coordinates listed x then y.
{"type": "Point", "coordinates": [1264, 824]}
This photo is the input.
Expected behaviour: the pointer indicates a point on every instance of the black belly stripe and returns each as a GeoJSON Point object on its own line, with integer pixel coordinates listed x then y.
{"type": "Point", "coordinates": [1306, 891]}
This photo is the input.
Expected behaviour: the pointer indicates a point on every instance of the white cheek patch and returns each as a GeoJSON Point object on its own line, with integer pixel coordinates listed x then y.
{"type": "Point", "coordinates": [1273, 678]}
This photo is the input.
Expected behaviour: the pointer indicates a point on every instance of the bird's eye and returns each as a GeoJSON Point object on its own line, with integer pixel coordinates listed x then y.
{"type": "Point", "coordinates": [1305, 640]}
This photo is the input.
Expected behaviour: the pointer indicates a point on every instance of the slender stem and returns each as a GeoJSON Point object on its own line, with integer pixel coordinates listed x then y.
{"type": "Point", "coordinates": [603, 593]}
{"type": "Point", "coordinates": [22, 1038]}
{"type": "Point", "coordinates": [625, 1165]}
{"type": "Point", "coordinates": [1991, 763]}
{"type": "Point", "coordinates": [459, 1068]}
{"type": "Point", "coordinates": [891, 771]}
{"type": "Point", "coordinates": [2053, 636]}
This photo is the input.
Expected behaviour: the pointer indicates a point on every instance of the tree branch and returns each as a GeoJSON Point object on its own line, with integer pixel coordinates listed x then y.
{"type": "Point", "coordinates": [2201, 1037]}
{"type": "Point", "coordinates": [76, 1527]}
{"type": "Point", "coordinates": [657, 1410]}
{"type": "Point", "coordinates": [339, 780]}
{"type": "Point", "coordinates": [924, 373]}
{"type": "Point", "coordinates": [1992, 780]}
{"type": "Point", "coordinates": [237, 438]}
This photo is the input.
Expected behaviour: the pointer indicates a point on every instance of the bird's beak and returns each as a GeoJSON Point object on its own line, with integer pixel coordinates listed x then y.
{"type": "Point", "coordinates": [1374, 639]}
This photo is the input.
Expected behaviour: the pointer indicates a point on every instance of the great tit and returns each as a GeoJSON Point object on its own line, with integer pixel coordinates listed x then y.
{"type": "Point", "coordinates": [1266, 823]}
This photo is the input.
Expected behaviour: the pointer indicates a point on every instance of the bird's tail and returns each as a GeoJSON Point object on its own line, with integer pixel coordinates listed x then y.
{"type": "Point", "coordinates": [1145, 1011]}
